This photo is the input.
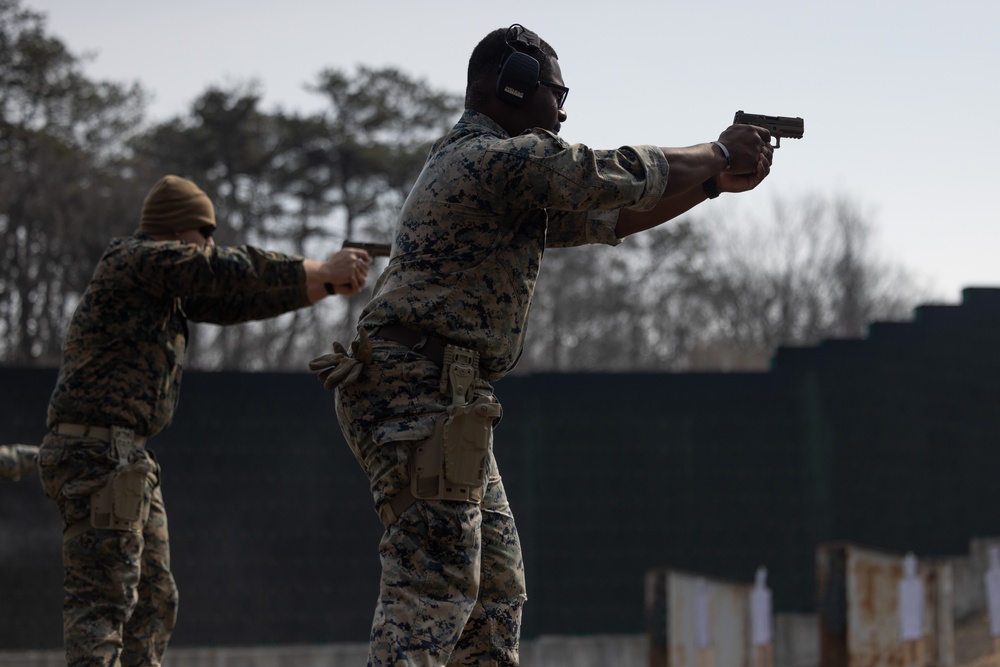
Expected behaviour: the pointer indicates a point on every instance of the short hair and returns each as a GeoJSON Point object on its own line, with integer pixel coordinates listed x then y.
{"type": "Point", "coordinates": [484, 64]}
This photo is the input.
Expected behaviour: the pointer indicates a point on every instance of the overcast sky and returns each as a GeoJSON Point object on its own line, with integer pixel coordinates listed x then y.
{"type": "Point", "coordinates": [899, 97]}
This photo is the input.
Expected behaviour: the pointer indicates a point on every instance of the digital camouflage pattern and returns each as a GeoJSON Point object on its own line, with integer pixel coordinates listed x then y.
{"type": "Point", "coordinates": [466, 255]}
{"type": "Point", "coordinates": [122, 362]}
{"type": "Point", "coordinates": [120, 602]}
{"type": "Point", "coordinates": [466, 608]}
{"type": "Point", "coordinates": [470, 236]}
{"type": "Point", "coordinates": [123, 350]}
{"type": "Point", "coordinates": [18, 461]}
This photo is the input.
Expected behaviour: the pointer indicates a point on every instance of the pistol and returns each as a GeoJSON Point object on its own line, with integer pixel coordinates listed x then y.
{"type": "Point", "coordinates": [779, 126]}
{"type": "Point", "coordinates": [373, 249]}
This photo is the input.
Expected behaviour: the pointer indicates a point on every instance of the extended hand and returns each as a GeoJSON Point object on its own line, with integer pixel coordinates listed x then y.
{"type": "Point", "coordinates": [729, 182]}
{"type": "Point", "coordinates": [746, 144]}
{"type": "Point", "coordinates": [347, 269]}
{"type": "Point", "coordinates": [751, 151]}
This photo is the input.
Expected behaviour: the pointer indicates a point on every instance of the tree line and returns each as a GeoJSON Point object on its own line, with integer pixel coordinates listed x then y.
{"type": "Point", "coordinates": [77, 156]}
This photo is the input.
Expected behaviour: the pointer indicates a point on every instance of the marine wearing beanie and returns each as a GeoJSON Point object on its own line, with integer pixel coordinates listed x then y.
{"type": "Point", "coordinates": [175, 204]}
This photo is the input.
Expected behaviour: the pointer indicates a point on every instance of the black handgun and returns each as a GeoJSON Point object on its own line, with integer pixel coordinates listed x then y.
{"type": "Point", "coordinates": [779, 126]}
{"type": "Point", "coordinates": [373, 249]}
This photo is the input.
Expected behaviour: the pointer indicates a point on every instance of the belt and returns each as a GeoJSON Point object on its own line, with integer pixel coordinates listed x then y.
{"type": "Point", "coordinates": [432, 348]}
{"type": "Point", "coordinates": [102, 433]}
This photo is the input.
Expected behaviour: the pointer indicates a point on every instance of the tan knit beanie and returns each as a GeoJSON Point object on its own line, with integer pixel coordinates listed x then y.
{"type": "Point", "coordinates": [176, 204]}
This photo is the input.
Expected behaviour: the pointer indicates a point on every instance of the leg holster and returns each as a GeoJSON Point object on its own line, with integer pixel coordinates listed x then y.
{"type": "Point", "coordinates": [123, 502]}
{"type": "Point", "coordinates": [451, 463]}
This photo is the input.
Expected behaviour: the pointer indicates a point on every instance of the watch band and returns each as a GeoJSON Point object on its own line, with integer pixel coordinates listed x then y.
{"type": "Point", "coordinates": [710, 189]}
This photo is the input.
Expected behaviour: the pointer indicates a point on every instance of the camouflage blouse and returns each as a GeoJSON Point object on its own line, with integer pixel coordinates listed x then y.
{"type": "Point", "coordinates": [123, 353]}
{"type": "Point", "coordinates": [471, 234]}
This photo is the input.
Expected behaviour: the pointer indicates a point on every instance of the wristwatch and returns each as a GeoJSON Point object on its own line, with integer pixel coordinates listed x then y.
{"type": "Point", "coordinates": [710, 189]}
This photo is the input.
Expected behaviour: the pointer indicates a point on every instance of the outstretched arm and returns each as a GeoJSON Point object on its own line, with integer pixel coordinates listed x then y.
{"type": "Point", "coordinates": [750, 155]}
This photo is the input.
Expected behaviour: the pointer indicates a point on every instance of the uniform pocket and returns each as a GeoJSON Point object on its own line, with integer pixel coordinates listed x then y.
{"type": "Point", "coordinates": [73, 469]}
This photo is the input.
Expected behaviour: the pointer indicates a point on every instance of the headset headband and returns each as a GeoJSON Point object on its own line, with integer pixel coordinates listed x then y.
{"type": "Point", "coordinates": [517, 33]}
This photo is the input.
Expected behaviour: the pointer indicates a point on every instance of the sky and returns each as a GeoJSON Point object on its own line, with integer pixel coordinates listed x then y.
{"type": "Point", "coordinates": [898, 97]}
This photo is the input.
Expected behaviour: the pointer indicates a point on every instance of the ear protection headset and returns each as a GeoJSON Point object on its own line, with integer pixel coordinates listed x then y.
{"type": "Point", "coordinates": [518, 73]}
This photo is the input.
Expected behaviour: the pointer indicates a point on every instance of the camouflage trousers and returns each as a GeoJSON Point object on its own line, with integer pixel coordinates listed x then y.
{"type": "Point", "coordinates": [120, 602]}
{"type": "Point", "coordinates": [452, 585]}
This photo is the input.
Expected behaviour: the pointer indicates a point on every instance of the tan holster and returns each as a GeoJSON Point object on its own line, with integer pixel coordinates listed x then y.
{"type": "Point", "coordinates": [123, 502]}
{"type": "Point", "coordinates": [451, 464]}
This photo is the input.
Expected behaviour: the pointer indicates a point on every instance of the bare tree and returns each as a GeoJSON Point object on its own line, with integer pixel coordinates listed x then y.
{"type": "Point", "coordinates": [809, 272]}
{"type": "Point", "coordinates": [602, 308]}
{"type": "Point", "coordinates": [64, 181]}
{"type": "Point", "coordinates": [716, 293]}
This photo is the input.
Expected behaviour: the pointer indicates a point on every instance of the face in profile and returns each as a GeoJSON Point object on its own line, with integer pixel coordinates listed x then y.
{"type": "Point", "coordinates": [544, 108]}
{"type": "Point", "coordinates": [203, 237]}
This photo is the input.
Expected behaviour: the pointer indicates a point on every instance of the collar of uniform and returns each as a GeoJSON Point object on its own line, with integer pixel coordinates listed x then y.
{"type": "Point", "coordinates": [470, 117]}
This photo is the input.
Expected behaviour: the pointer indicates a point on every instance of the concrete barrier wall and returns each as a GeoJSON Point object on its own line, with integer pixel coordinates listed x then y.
{"type": "Point", "coordinates": [675, 640]}
{"type": "Point", "coordinates": [796, 636]}
{"type": "Point", "coordinates": [862, 602]}
{"type": "Point", "coordinates": [693, 619]}
{"type": "Point", "coordinates": [596, 651]}
{"type": "Point", "coordinates": [796, 645]}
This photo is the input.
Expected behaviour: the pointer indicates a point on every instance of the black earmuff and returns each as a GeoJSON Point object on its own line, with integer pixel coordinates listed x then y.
{"type": "Point", "coordinates": [518, 73]}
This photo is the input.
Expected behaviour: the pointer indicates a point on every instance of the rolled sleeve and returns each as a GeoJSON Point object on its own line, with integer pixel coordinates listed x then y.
{"type": "Point", "coordinates": [601, 227]}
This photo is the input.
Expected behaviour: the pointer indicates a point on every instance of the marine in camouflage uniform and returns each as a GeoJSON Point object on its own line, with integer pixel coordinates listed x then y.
{"type": "Point", "coordinates": [121, 374]}
{"type": "Point", "coordinates": [494, 193]}
{"type": "Point", "coordinates": [18, 461]}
